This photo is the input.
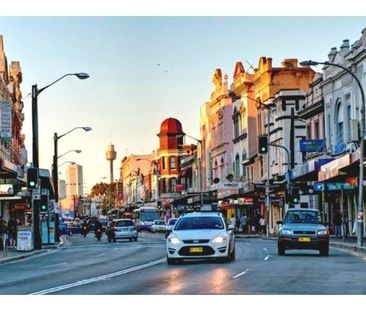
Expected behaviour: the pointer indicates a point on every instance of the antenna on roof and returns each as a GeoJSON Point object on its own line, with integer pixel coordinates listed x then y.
{"type": "Point", "coordinates": [250, 65]}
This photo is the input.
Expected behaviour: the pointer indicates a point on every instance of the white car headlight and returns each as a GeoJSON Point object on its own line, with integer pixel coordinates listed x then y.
{"type": "Point", "coordinates": [174, 240]}
{"type": "Point", "coordinates": [219, 239]}
{"type": "Point", "coordinates": [323, 232]}
{"type": "Point", "coordinates": [284, 231]}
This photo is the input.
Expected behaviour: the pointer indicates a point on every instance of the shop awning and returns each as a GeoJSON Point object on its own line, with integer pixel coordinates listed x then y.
{"type": "Point", "coordinates": [333, 169]}
{"type": "Point", "coordinates": [309, 170]}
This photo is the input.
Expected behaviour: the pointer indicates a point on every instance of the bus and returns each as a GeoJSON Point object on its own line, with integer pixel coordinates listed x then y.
{"type": "Point", "coordinates": [144, 216]}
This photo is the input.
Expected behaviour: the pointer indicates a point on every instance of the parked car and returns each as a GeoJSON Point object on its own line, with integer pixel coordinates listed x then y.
{"type": "Point", "coordinates": [201, 235]}
{"type": "Point", "coordinates": [170, 226]}
{"type": "Point", "coordinates": [125, 229]}
{"type": "Point", "coordinates": [302, 229]}
{"type": "Point", "coordinates": [158, 226]}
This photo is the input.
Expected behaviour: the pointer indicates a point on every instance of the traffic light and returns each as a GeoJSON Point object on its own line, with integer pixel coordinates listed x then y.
{"type": "Point", "coordinates": [44, 203]}
{"type": "Point", "coordinates": [262, 144]}
{"type": "Point", "coordinates": [295, 195]}
{"type": "Point", "coordinates": [32, 178]}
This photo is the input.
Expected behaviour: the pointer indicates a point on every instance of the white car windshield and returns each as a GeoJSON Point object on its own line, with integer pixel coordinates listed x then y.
{"type": "Point", "coordinates": [193, 223]}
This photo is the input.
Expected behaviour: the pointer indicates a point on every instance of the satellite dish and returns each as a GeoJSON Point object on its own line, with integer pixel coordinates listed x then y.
{"type": "Point", "coordinates": [216, 180]}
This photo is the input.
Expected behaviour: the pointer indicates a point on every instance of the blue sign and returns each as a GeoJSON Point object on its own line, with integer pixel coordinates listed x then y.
{"type": "Point", "coordinates": [319, 186]}
{"type": "Point", "coordinates": [312, 145]}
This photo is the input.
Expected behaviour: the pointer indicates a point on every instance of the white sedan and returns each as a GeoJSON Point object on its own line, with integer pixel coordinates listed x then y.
{"type": "Point", "coordinates": [158, 226]}
{"type": "Point", "coordinates": [201, 236]}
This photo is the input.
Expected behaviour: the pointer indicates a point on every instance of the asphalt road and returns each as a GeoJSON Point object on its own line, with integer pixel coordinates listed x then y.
{"type": "Point", "coordinates": [85, 266]}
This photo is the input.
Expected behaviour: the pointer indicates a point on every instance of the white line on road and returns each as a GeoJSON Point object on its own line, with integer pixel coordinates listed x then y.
{"type": "Point", "coordinates": [267, 257]}
{"type": "Point", "coordinates": [240, 274]}
{"type": "Point", "coordinates": [265, 249]}
{"type": "Point", "coordinates": [99, 278]}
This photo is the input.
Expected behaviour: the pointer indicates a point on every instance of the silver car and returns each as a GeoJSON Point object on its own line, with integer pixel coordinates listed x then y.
{"type": "Point", "coordinates": [302, 229]}
{"type": "Point", "coordinates": [125, 229]}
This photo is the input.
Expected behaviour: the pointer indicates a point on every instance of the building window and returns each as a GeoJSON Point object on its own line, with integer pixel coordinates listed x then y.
{"type": "Point", "coordinates": [163, 160]}
{"type": "Point", "coordinates": [316, 129]}
{"type": "Point", "coordinates": [237, 123]}
{"type": "Point", "coordinates": [173, 182]}
{"type": "Point", "coordinates": [339, 124]}
{"type": "Point", "coordinates": [172, 163]}
{"type": "Point", "coordinates": [237, 166]}
{"type": "Point", "coordinates": [308, 131]}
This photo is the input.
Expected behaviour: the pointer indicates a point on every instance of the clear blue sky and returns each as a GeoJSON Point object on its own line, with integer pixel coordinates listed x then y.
{"type": "Point", "coordinates": [128, 95]}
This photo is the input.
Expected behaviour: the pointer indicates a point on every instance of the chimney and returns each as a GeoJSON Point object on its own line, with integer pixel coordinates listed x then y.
{"type": "Point", "coordinates": [344, 47]}
{"type": "Point", "coordinates": [332, 53]}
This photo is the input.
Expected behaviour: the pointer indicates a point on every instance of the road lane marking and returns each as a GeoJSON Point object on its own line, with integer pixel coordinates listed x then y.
{"type": "Point", "coordinates": [98, 278]}
{"type": "Point", "coordinates": [267, 257]}
{"type": "Point", "coordinates": [55, 265]}
{"type": "Point", "coordinates": [265, 249]}
{"type": "Point", "coordinates": [240, 274]}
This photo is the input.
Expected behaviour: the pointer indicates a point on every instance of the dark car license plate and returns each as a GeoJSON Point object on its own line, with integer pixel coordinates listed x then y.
{"type": "Point", "coordinates": [195, 249]}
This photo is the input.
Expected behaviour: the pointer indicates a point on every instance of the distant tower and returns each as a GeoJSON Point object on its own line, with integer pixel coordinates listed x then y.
{"type": "Point", "coordinates": [111, 155]}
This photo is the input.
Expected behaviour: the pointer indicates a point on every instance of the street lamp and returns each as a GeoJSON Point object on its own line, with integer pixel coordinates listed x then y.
{"type": "Point", "coordinates": [362, 145]}
{"type": "Point", "coordinates": [35, 150]}
{"type": "Point", "coordinates": [74, 150]}
{"type": "Point", "coordinates": [200, 166]}
{"type": "Point", "coordinates": [70, 162]}
{"type": "Point", "coordinates": [56, 156]}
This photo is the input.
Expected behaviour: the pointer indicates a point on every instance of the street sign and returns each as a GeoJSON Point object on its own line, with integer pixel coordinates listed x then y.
{"type": "Point", "coordinates": [312, 145]}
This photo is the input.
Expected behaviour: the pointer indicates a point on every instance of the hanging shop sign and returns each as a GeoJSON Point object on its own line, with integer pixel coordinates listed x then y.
{"type": "Point", "coordinates": [6, 120]}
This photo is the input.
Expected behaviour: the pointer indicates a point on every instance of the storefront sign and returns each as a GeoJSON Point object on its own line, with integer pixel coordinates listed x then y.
{"type": "Point", "coordinates": [312, 145]}
{"type": "Point", "coordinates": [6, 120]}
{"type": "Point", "coordinates": [24, 239]}
{"type": "Point", "coordinates": [227, 186]}
{"type": "Point", "coordinates": [318, 186]}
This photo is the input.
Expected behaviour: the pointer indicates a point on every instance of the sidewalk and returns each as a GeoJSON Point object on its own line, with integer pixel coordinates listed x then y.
{"type": "Point", "coordinates": [13, 254]}
{"type": "Point", "coordinates": [349, 243]}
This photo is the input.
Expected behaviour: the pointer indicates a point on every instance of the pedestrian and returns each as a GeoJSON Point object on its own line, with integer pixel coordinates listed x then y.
{"type": "Point", "coordinates": [12, 231]}
{"type": "Point", "coordinates": [337, 221]}
{"type": "Point", "coordinates": [262, 225]}
{"type": "Point", "coordinates": [3, 232]}
{"type": "Point", "coordinates": [244, 223]}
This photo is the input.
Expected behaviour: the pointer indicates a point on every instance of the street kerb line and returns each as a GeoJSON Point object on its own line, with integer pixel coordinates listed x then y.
{"type": "Point", "coordinates": [98, 278]}
{"type": "Point", "coordinates": [240, 274]}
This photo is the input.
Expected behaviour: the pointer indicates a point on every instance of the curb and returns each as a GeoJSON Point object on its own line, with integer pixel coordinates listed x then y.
{"type": "Point", "coordinates": [355, 248]}
{"type": "Point", "coordinates": [23, 255]}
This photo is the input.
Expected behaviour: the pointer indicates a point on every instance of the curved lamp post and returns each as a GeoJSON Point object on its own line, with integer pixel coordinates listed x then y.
{"type": "Point", "coordinates": [362, 145]}
{"type": "Point", "coordinates": [200, 165]}
{"type": "Point", "coordinates": [35, 152]}
{"type": "Point", "coordinates": [56, 156]}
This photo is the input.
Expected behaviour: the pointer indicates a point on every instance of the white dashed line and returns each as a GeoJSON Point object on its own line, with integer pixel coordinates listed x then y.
{"type": "Point", "coordinates": [240, 274]}
{"type": "Point", "coordinates": [265, 249]}
{"type": "Point", "coordinates": [99, 278]}
{"type": "Point", "coordinates": [267, 257]}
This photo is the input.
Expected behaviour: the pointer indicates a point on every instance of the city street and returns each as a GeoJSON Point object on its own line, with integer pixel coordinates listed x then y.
{"type": "Point", "coordinates": [86, 266]}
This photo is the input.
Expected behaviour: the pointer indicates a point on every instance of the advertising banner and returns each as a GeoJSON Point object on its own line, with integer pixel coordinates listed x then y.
{"type": "Point", "coordinates": [5, 120]}
{"type": "Point", "coordinates": [24, 239]}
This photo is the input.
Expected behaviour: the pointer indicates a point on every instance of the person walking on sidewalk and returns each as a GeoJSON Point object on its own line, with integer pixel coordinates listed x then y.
{"type": "Point", "coordinates": [12, 232]}
{"type": "Point", "coordinates": [244, 223]}
{"type": "Point", "coordinates": [3, 232]}
{"type": "Point", "coordinates": [337, 220]}
{"type": "Point", "coordinates": [262, 225]}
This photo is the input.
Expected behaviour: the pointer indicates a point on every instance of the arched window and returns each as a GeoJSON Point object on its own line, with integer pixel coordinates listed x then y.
{"type": "Point", "coordinates": [339, 118]}
{"type": "Point", "coordinates": [237, 123]}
